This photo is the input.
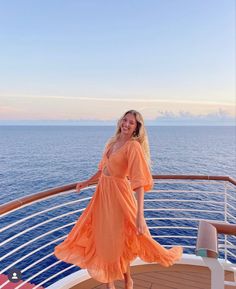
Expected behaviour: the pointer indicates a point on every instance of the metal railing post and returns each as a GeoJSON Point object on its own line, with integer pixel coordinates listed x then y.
{"type": "Point", "coordinates": [217, 273]}
{"type": "Point", "coordinates": [225, 219]}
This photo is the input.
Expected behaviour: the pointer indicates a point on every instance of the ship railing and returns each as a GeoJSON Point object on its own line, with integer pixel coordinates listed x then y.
{"type": "Point", "coordinates": [32, 226]}
{"type": "Point", "coordinates": [207, 246]}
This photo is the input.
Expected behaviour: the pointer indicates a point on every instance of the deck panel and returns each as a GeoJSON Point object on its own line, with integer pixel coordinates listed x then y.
{"type": "Point", "coordinates": [154, 276]}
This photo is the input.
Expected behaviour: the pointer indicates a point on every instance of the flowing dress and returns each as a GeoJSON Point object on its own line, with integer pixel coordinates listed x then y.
{"type": "Point", "coordinates": [104, 239]}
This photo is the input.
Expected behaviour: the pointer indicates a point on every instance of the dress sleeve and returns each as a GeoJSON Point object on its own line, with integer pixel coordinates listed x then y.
{"type": "Point", "coordinates": [138, 169]}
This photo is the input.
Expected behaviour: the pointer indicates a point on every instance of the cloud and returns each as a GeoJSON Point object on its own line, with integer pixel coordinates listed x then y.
{"type": "Point", "coordinates": [5, 110]}
{"type": "Point", "coordinates": [83, 108]}
{"type": "Point", "coordinates": [186, 116]}
{"type": "Point", "coordinates": [115, 99]}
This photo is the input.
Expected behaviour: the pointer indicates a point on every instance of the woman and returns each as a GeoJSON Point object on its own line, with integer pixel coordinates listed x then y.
{"type": "Point", "coordinates": [112, 230]}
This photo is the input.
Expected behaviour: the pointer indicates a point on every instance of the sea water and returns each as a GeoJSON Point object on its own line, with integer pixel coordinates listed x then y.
{"type": "Point", "coordinates": [37, 158]}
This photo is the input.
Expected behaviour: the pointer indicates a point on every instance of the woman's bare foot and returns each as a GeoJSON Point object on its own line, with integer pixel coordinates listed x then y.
{"type": "Point", "coordinates": [129, 284]}
{"type": "Point", "coordinates": [110, 285]}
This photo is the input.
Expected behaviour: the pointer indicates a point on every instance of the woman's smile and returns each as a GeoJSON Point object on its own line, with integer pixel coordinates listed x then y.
{"type": "Point", "coordinates": [128, 124]}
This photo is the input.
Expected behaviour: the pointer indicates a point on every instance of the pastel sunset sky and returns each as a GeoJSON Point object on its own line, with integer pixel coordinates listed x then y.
{"type": "Point", "coordinates": [95, 59]}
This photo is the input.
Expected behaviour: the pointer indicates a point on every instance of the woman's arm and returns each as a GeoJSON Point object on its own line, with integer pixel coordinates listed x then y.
{"type": "Point", "coordinates": [91, 180]}
{"type": "Point", "coordinates": [140, 199]}
{"type": "Point", "coordinates": [94, 178]}
{"type": "Point", "coordinates": [140, 221]}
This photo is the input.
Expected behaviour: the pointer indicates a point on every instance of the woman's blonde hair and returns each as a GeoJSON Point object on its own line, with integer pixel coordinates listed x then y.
{"type": "Point", "coordinates": [139, 134]}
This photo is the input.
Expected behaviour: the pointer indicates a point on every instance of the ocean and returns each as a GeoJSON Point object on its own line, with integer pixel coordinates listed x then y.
{"type": "Point", "coordinates": [37, 158]}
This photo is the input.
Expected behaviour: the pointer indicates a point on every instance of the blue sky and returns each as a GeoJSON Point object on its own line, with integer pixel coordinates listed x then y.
{"type": "Point", "coordinates": [68, 60]}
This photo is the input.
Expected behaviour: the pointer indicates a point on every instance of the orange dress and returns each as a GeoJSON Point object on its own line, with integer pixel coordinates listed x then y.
{"type": "Point", "coordinates": [104, 239]}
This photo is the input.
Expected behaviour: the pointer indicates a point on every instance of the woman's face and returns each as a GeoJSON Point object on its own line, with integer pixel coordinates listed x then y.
{"type": "Point", "coordinates": [128, 124]}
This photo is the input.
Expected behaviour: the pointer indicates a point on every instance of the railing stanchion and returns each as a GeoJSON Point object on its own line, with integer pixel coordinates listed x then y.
{"type": "Point", "coordinates": [225, 213]}
{"type": "Point", "coordinates": [177, 204]}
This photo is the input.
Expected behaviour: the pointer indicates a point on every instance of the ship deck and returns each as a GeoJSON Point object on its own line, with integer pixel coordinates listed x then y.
{"type": "Point", "coordinates": [154, 276]}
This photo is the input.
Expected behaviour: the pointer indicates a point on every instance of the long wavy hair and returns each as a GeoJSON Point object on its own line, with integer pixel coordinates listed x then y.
{"type": "Point", "coordinates": [139, 134]}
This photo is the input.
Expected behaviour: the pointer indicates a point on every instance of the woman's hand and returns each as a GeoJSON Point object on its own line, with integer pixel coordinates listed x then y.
{"type": "Point", "coordinates": [92, 180]}
{"type": "Point", "coordinates": [81, 185]}
{"type": "Point", "coordinates": [141, 224]}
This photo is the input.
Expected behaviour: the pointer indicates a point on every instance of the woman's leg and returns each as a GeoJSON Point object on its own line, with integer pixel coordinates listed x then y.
{"type": "Point", "coordinates": [128, 279]}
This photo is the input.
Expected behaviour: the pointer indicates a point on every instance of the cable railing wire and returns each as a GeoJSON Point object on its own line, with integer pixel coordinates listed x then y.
{"type": "Point", "coordinates": [224, 214]}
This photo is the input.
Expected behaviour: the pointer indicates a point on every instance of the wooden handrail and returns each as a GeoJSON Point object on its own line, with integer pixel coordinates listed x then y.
{"type": "Point", "coordinates": [207, 239]}
{"type": "Point", "coordinates": [31, 198]}
{"type": "Point", "coordinates": [42, 195]}
{"type": "Point", "coordinates": [196, 177]}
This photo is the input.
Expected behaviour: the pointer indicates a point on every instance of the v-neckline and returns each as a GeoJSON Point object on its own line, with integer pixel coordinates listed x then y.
{"type": "Point", "coordinates": [108, 157]}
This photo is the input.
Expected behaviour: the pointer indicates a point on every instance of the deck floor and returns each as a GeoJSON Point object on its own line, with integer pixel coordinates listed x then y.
{"type": "Point", "coordinates": [154, 276]}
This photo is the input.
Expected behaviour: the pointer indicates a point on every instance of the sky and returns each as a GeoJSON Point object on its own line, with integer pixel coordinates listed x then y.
{"type": "Point", "coordinates": [94, 60]}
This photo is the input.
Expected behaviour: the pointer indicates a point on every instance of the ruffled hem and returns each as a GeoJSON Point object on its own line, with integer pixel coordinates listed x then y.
{"type": "Point", "coordinates": [148, 250]}
{"type": "Point", "coordinates": [81, 251]}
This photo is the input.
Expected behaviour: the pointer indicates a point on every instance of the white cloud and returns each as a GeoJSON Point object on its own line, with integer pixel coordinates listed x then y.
{"type": "Point", "coordinates": [112, 99]}
{"type": "Point", "coordinates": [83, 108]}
{"type": "Point", "coordinates": [220, 115]}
